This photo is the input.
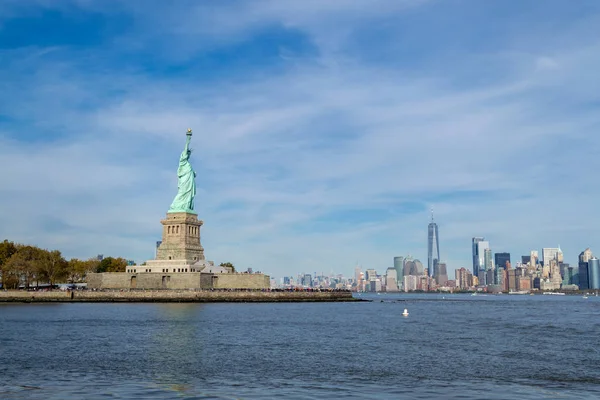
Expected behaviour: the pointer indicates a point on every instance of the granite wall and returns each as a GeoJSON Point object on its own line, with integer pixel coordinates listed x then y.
{"type": "Point", "coordinates": [237, 281]}
{"type": "Point", "coordinates": [180, 280]}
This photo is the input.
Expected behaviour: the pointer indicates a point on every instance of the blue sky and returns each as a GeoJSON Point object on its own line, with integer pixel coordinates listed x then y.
{"type": "Point", "coordinates": [323, 131]}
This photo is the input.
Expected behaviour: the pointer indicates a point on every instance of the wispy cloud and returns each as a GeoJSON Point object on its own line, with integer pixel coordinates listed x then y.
{"type": "Point", "coordinates": [317, 142]}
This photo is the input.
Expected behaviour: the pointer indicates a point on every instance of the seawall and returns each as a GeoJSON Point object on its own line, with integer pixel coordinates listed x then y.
{"type": "Point", "coordinates": [172, 296]}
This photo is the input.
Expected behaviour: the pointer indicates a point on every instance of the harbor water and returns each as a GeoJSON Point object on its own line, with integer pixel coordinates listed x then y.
{"type": "Point", "coordinates": [448, 347]}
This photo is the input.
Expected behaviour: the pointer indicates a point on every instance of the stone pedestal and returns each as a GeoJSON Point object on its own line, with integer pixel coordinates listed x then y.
{"type": "Point", "coordinates": [180, 250]}
{"type": "Point", "coordinates": [181, 238]}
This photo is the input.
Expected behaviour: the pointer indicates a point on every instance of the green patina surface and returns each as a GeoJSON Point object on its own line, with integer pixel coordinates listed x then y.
{"type": "Point", "coordinates": [186, 181]}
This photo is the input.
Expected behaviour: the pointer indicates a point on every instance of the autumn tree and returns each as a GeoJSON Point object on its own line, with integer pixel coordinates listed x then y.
{"type": "Point", "coordinates": [52, 266]}
{"type": "Point", "coordinates": [78, 269]}
{"type": "Point", "coordinates": [24, 265]}
{"type": "Point", "coordinates": [7, 249]}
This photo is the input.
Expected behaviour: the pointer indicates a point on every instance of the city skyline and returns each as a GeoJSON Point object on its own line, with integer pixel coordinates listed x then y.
{"type": "Point", "coordinates": [323, 131]}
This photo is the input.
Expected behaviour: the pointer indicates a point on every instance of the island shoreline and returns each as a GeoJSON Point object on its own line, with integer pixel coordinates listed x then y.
{"type": "Point", "coordinates": [174, 296]}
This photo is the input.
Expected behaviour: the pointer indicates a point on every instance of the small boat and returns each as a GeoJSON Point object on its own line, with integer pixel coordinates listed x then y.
{"type": "Point", "coordinates": [405, 313]}
{"type": "Point", "coordinates": [585, 297]}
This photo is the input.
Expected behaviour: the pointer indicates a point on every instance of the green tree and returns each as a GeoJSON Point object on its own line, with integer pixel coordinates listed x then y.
{"type": "Point", "coordinates": [52, 266]}
{"type": "Point", "coordinates": [7, 249]}
{"type": "Point", "coordinates": [77, 269]}
{"type": "Point", "coordinates": [228, 265]}
{"type": "Point", "coordinates": [110, 264]}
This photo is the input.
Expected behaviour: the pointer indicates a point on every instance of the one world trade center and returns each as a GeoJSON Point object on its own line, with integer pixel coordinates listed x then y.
{"type": "Point", "coordinates": [433, 245]}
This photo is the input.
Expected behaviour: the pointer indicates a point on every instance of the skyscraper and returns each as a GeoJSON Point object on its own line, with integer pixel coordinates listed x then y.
{"type": "Point", "coordinates": [433, 245]}
{"type": "Point", "coordinates": [593, 273]}
{"type": "Point", "coordinates": [500, 260]}
{"type": "Point", "coordinates": [551, 253]}
{"type": "Point", "coordinates": [391, 280]}
{"type": "Point", "coordinates": [480, 263]}
{"type": "Point", "coordinates": [475, 242]}
{"type": "Point", "coordinates": [440, 273]}
{"type": "Point", "coordinates": [488, 265]}
{"type": "Point", "coordinates": [399, 267]}
{"type": "Point", "coordinates": [584, 258]}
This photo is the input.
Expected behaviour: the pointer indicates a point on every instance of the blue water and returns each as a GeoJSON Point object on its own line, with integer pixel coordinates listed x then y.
{"type": "Point", "coordinates": [449, 347]}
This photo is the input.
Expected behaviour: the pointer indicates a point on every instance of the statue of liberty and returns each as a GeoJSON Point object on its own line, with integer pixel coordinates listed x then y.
{"type": "Point", "coordinates": [186, 181]}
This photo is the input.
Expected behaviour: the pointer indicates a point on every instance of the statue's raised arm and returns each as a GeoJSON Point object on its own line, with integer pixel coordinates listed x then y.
{"type": "Point", "coordinates": [188, 139]}
{"type": "Point", "coordinates": [186, 182]}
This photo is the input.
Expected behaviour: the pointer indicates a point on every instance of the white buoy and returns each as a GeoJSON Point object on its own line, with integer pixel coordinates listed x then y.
{"type": "Point", "coordinates": [405, 313]}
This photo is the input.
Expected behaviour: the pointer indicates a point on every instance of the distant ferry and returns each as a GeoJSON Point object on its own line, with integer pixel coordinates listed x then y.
{"type": "Point", "coordinates": [519, 292]}
{"type": "Point", "coordinates": [556, 294]}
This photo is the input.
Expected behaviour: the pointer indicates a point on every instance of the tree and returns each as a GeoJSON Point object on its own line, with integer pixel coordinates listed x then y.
{"type": "Point", "coordinates": [52, 266]}
{"type": "Point", "coordinates": [110, 264]}
{"type": "Point", "coordinates": [78, 269]}
{"type": "Point", "coordinates": [7, 249]}
{"type": "Point", "coordinates": [228, 265]}
{"type": "Point", "coordinates": [24, 265]}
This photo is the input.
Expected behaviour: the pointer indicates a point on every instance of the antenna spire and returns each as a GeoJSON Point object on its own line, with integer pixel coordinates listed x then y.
{"type": "Point", "coordinates": [431, 214]}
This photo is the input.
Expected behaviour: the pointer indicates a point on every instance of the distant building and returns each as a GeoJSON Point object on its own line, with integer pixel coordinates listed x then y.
{"type": "Point", "coordinates": [100, 257]}
{"type": "Point", "coordinates": [525, 259]}
{"type": "Point", "coordinates": [408, 267]}
{"type": "Point", "coordinates": [357, 275]}
{"type": "Point", "coordinates": [568, 276]}
{"type": "Point", "coordinates": [479, 261]}
{"type": "Point", "coordinates": [524, 283]}
{"type": "Point", "coordinates": [488, 265]}
{"type": "Point", "coordinates": [463, 278]}
{"type": "Point", "coordinates": [583, 275]}
{"type": "Point", "coordinates": [534, 258]}
{"type": "Point", "coordinates": [551, 253]}
{"type": "Point", "coordinates": [440, 273]}
{"type": "Point", "coordinates": [391, 280]}
{"type": "Point", "coordinates": [370, 274]}
{"type": "Point", "coordinates": [475, 247]}
{"type": "Point", "coordinates": [307, 280]}
{"type": "Point", "coordinates": [410, 283]}
{"type": "Point", "coordinates": [412, 267]}
{"type": "Point", "coordinates": [513, 280]}
{"type": "Point", "coordinates": [399, 267]}
{"type": "Point", "coordinates": [490, 277]}
{"type": "Point", "coordinates": [419, 267]}
{"type": "Point", "coordinates": [500, 260]}
{"type": "Point", "coordinates": [593, 273]}
{"type": "Point", "coordinates": [433, 246]}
